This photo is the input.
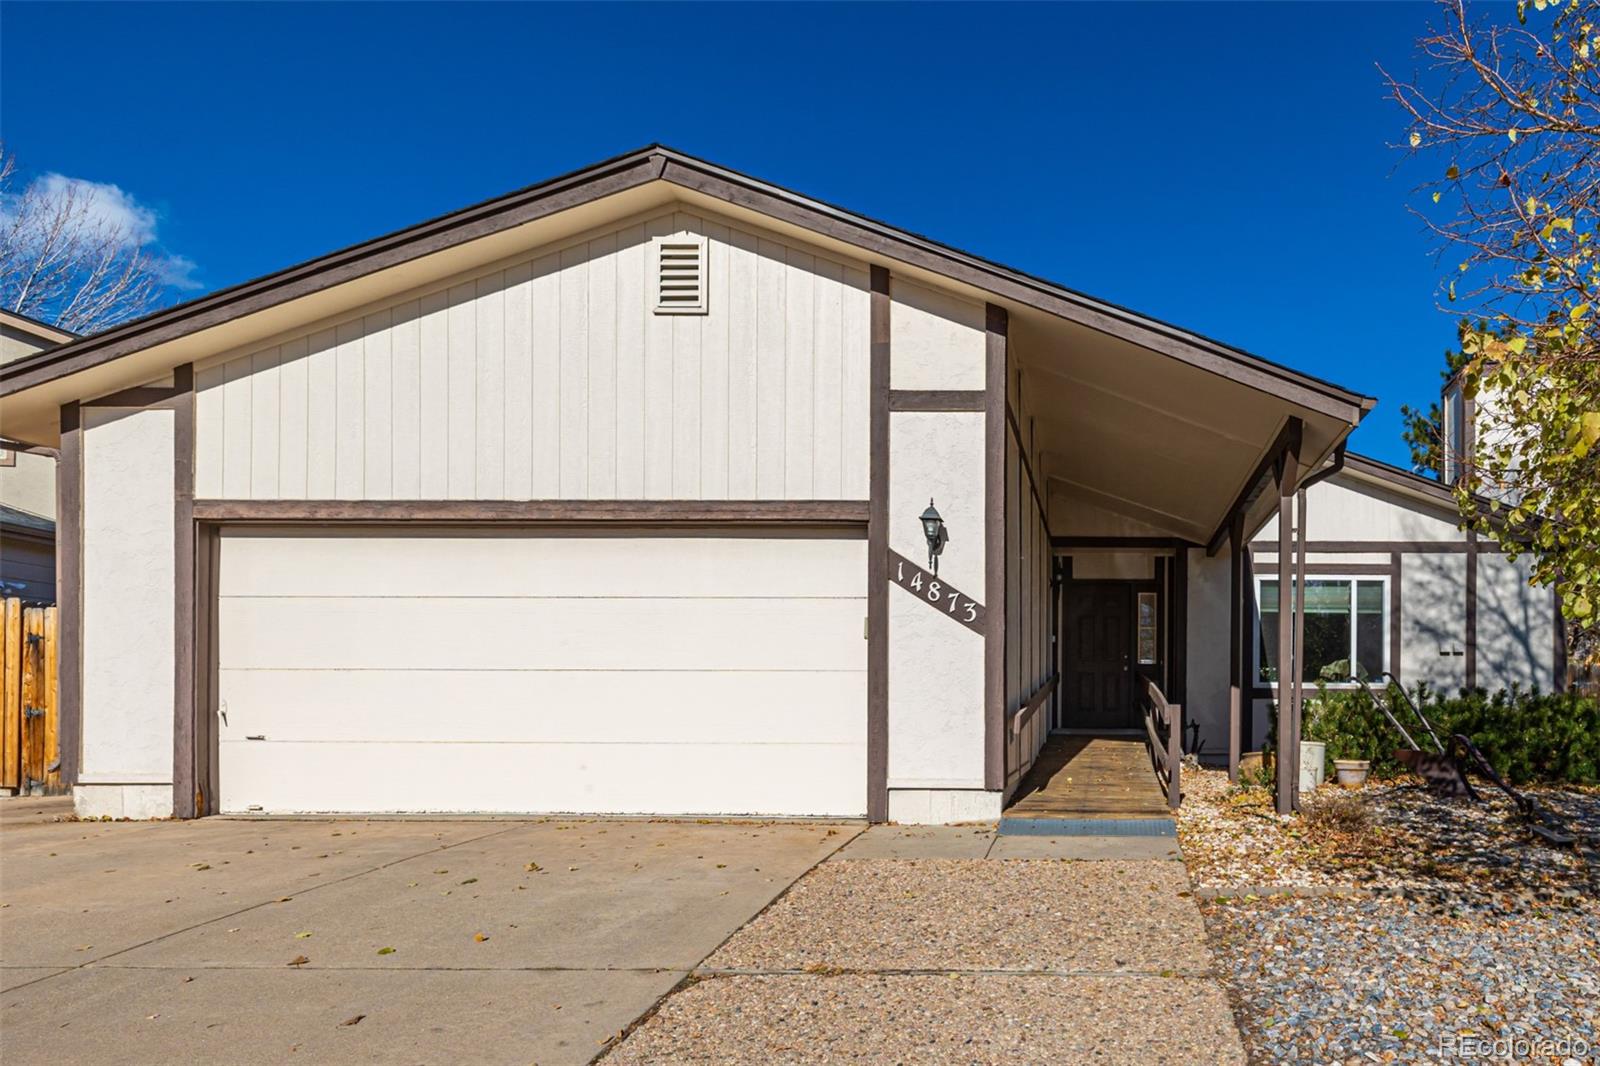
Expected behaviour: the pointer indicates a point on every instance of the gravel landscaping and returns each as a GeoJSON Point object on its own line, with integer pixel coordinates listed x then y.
{"type": "Point", "coordinates": [994, 914]}
{"type": "Point", "coordinates": [1444, 926]}
{"type": "Point", "coordinates": [937, 1019]}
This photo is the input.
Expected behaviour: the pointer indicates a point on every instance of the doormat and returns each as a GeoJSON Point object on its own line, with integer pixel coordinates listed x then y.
{"type": "Point", "coordinates": [1088, 827]}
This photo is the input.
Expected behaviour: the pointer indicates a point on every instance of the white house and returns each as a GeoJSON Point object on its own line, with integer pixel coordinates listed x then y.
{"type": "Point", "coordinates": [607, 496]}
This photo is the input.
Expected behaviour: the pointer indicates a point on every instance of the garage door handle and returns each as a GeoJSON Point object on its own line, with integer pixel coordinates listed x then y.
{"type": "Point", "coordinates": [261, 737]}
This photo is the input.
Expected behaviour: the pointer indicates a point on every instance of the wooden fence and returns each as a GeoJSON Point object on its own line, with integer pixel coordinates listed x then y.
{"type": "Point", "coordinates": [30, 738]}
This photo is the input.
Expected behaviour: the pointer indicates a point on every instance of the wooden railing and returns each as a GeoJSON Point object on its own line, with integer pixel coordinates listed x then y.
{"type": "Point", "coordinates": [30, 755]}
{"type": "Point", "coordinates": [1025, 713]}
{"type": "Point", "coordinates": [1163, 727]}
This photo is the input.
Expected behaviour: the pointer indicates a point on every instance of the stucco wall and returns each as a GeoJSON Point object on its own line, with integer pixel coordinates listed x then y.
{"type": "Point", "coordinates": [936, 665]}
{"type": "Point", "coordinates": [128, 639]}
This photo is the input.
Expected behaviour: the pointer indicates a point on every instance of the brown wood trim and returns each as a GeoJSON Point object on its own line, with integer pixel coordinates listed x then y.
{"type": "Point", "coordinates": [69, 593]}
{"type": "Point", "coordinates": [139, 396]}
{"type": "Point", "coordinates": [879, 239]}
{"type": "Point", "coordinates": [878, 548]}
{"type": "Point", "coordinates": [699, 512]}
{"type": "Point", "coordinates": [1287, 763]}
{"type": "Point", "coordinates": [1296, 693]}
{"type": "Point", "coordinates": [459, 227]}
{"type": "Point", "coordinates": [1288, 439]}
{"type": "Point", "coordinates": [185, 801]}
{"type": "Point", "coordinates": [203, 649]}
{"type": "Point", "coordinates": [937, 399]}
{"type": "Point", "coordinates": [996, 329]}
{"type": "Point", "coordinates": [1131, 543]}
{"type": "Point", "coordinates": [1027, 468]}
{"type": "Point", "coordinates": [950, 602]}
{"type": "Point", "coordinates": [1381, 547]}
{"type": "Point", "coordinates": [652, 163]}
{"type": "Point", "coordinates": [1040, 697]}
{"type": "Point", "coordinates": [1235, 644]}
{"type": "Point", "coordinates": [1396, 604]}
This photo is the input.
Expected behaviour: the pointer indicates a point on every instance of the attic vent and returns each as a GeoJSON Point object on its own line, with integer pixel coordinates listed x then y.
{"type": "Point", "coordinates": [680, 275]}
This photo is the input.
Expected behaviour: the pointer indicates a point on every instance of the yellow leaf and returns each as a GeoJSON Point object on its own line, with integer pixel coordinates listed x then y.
{"type": "Point", "coordinates": [1591, 427]}
{"type": "Point", "coordinates": [1416, 138]}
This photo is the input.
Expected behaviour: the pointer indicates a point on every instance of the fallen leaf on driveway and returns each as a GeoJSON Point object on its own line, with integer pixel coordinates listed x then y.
{"type": "Point", "coordinates": [354, 1019]}
{"type": "Point", "coordinates": [479, 937]}
{"type": "Point", "coordinates": [533, 867]}
{"type": "Point", "coordinates": [470, 881]}
{"type": "Point", "coordinates": [299, 960]}
{"type": "Point", "coordinates": [301, 936]}
{"type": "Point", "coordinates": [386, 951]}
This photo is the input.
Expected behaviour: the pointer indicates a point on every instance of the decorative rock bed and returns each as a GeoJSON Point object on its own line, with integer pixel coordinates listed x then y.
{"type": "Point", "coordinates": [1388, 925]}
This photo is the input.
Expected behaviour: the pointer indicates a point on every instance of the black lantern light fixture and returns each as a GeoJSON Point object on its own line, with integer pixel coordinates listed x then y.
{"type": "Point", "coordinates": [933, 529]}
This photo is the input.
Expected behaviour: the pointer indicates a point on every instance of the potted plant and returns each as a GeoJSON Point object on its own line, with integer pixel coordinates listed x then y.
{"type": "Point", "coordinates": [1351, 773]}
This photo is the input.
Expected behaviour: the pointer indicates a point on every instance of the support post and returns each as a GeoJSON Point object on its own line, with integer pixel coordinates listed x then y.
{"type": "Point", "coordinates": [1288, 761]}
{"type": "Point", "coordinates": [1297, 695]}
{"type": "Point", "coordinates": [878, 550]}
{"type": "Point", "coordinates": [1235, 643]}
{"type": "Point", "coordinates": [997, 326]}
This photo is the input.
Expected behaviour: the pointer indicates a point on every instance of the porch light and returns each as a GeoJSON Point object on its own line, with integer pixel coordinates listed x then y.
{"type": "Point", "coordinates": [933, 529]}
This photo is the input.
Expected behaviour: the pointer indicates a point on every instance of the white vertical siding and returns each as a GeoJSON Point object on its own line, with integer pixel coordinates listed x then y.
{"type": "Point", "coordinates": [553, 378]}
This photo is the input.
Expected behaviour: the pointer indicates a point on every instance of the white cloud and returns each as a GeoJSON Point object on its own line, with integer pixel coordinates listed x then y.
{"type": "Point", "coordinates": [110, 211]}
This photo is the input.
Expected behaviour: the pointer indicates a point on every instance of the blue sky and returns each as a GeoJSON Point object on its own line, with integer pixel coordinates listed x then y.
{"type": "Point", "coordinates": [1225, 167]}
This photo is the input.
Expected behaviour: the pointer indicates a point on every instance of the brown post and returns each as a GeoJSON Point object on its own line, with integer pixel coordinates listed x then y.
{"type": "Point", "coordinates": [1288, 761]}
{"type": "Point", "coordinates": [188, 800]}
{"type": "Point", "coordinates": [1297, 698]}
{"type": "Point", "coordinates": [69, 592]}
{"type": "Point", "coordinates": [1235, 643]}
{"type": "Point", "coordinates": [997, 332]}
{"type": "Point", "coordinates": [878, 551]}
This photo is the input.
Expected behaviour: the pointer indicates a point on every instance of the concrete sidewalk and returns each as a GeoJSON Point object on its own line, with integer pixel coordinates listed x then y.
{"type": "Point", "coordinates": [511, 942]}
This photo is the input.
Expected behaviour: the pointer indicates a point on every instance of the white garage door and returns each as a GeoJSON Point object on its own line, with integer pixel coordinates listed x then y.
{"type": "Point", "coordinates": [381, 671]}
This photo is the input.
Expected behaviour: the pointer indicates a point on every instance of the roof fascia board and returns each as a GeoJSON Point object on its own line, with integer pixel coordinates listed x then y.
{"type": "Point", "coordinates": [642, 167]}
{"type": "Point", "coordinates": [883, 240]}
{"type": "Point", "coordinates": [42, 330]}
{"type": "Point", "coordinates": [449, 231]}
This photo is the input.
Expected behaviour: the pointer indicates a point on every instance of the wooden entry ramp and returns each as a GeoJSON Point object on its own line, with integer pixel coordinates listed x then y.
{"type": "Point", "coordinates": [1090, 785]}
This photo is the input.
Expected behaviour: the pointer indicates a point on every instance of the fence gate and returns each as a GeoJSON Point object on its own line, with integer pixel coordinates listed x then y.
{"type": "Point", "coordinates": [30, 739]}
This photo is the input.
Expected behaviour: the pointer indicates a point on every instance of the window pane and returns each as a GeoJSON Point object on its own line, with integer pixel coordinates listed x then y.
{"type": "Point", "coordinates": [1369, 597]}
{"type": "Point", "coordinates": [1327, 646]}
{"type": "Point", "coordinates": [1268, 652]}
{"type": "Point", "coordinates": [1370, 633]}
{"type": "Point", "coordinates": [1327, 597]}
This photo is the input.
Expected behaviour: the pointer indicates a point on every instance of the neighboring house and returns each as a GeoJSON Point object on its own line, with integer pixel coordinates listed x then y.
{"type": "Point", "coordinates": [27, 482]}
{"type": "Point", "coordinates": [607, 496]}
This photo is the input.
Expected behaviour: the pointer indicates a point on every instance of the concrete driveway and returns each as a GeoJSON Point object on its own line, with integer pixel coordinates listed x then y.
{"type": "Point", "coordinates": [373, 941]}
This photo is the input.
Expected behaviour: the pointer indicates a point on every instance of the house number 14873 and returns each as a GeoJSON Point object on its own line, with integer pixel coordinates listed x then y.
{"type": "Point", "coordinates": [934, 592]}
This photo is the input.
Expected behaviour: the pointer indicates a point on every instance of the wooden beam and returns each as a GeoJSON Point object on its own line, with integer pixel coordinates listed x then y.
{"type": "Point", "coordinates": [644, 512]}
{"type": "Point", "coordinates": [1164, 544]}
{"type": "Point", "coordinates": [1235, 643]}
{"type": "Point", "coordinates": [937, 399]}
{"type": "Point", "coordinates": [1288, 766]}
{"type": "Point", "coordinates": [878, 548]}
{"type": "Point", "coordinates": [997, 330]}
{"type": "Point", "coordinates": [69, 592]}
{"type": "Point", "coordinates": [1289, 437]}
{"type": "Point", "coordinates": [185, 799]}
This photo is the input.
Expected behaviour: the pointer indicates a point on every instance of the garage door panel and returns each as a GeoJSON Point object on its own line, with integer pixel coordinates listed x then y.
{"type": "Point", "coordinates": [579, 634]}
{"type": "Point", "coordinates": [530, 673]}
{"type": "Point", "coordinates": [558, 706]}
{"type": "Point", "coordinates": [271, 563]}
{"type": "Point", "coordinates": [729, 779]}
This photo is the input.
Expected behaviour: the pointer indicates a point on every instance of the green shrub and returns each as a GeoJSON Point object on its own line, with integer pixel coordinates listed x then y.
{"type": "Point", "coordinates": [1527, 736]}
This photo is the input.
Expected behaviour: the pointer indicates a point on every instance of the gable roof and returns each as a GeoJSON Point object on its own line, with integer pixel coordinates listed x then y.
{"type": "Point", "coordinates": [43, 331]}
{"type": "Point", "coordinates": [656, 163]}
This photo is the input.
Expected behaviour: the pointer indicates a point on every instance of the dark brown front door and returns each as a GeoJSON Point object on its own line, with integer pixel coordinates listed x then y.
{"type": "Point", "coordinates": [1098, 693]}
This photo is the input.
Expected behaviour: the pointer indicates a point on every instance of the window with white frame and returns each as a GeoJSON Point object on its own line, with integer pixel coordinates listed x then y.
{"type": "Point", "coordinates": [1346, 628]}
